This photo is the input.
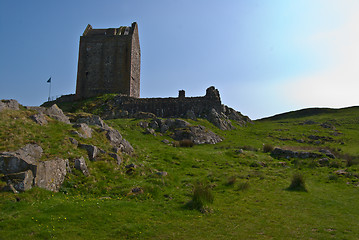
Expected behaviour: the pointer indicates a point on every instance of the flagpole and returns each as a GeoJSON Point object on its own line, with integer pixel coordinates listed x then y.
{"type": "Point", "coordinates": [49, 90]}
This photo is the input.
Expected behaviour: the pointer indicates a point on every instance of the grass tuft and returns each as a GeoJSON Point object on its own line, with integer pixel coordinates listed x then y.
{"type": "Point", "coordinates": [298, 183]}
{"type": "Point", "coordinates": [268, 148]}
{"type": "Point", "coordinates": [202, 195]}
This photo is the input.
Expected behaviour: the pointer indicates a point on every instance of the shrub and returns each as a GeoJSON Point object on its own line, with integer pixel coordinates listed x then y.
{"type": "Point", "coordinates": [268, 148]}
{"type": "Point", "coordinates": [298, 183]}
{"type": "Point", "coordinates": [202, 195]}
{"type": "Point", "coordinates": [186, 143]}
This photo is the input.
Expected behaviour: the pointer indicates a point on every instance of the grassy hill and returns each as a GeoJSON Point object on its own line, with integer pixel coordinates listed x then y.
{"type": "Point", "coordinates": [248, 186]}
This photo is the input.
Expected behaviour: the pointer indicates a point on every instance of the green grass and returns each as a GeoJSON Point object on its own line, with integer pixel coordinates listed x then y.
{"type": "Point", "coordinates": [248, 189]}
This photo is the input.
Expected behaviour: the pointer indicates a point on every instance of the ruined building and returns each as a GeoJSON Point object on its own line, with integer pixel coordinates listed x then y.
{"type": "Point", "coordinates": [109, 62]}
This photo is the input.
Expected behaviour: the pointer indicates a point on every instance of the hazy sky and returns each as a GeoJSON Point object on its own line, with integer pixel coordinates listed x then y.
{"type": "Point", "coordinates": [264, 56]}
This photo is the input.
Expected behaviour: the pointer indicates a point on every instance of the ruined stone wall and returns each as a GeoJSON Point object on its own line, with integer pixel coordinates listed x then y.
{"type": "Point", "coordinates": [171, 107]}
{"type": "Point", "coordinates": [109, 62]}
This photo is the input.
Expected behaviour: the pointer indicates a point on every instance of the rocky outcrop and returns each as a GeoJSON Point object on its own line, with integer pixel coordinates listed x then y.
{"type": "Point", "coordinates": [56, 113]}
{"type": "Point", "coordinates": [23, 169]}
{"type": "Point", "coordinates": [197, 134]}
{"type": "Point", "coordinates": [208, 107]}
{"type": "Point", "coordinates": [284, 153]}
{"type": "Point", "coordinates": [93, 120]}
{"type": "Point", "coordinates": [180, 129]}
{"type": "Point", "coordinates": [219, 120]}
{"type": "Point", "coordinates": [9, 104]}
{"type": "Point", "coordinates": [39, 118]}
{"type": "Point", "coordinates": [53, 112]}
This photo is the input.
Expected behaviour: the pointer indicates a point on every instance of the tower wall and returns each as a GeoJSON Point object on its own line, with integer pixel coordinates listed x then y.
{"type": "Point", "coordinates": [109, 62]}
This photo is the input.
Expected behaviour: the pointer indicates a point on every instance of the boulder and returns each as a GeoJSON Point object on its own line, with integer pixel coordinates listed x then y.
{"type": "Point", "coordinates": [114, 137]}
{"type": "Point", "coordinates": [80, 164]}
{"type": "Point", "coordinates": [92, 151]}
{"type": "Point", "coordinates": [197, 134]}
{"type": "Point", "coordinates": [22, 160]}
{"type": "Point", "coordinates": [39, 118]}
{"type": "Point", "coordinates": [51, 174]}
{"type": "Point", "coordinates": [22, 169]}
{"type": "Point", "coordinates": [150, 131]}
{"type": "Point", "coordinates": [56, 113]}
{"type": "Point", "coordinates": [93, 120]}
{"type": "Point", "coordinates": [21, 181]}
{"type": "Point", "coordinates": [9, 104]}
{"type": "Point", "coordinates": [85, 130]}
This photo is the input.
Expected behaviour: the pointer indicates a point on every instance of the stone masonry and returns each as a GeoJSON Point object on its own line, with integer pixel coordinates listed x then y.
{"type": "Point", "coordinates": [109, 62]}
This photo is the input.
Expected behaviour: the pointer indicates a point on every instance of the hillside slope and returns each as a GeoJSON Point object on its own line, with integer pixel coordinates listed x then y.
{"type": "Point", "coordinates": [150, 194]}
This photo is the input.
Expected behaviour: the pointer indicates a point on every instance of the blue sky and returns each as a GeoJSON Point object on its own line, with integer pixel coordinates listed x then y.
{"type": "Point", "coordinates": [265, 57]}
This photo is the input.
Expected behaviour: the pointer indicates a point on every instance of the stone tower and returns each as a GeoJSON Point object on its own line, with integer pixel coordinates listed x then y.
{"type": "Point", "coordinates": [109, 62]}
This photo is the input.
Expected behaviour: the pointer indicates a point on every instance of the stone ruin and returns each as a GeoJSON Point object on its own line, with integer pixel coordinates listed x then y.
{"type": "Point", "coordinates": [109, 62]}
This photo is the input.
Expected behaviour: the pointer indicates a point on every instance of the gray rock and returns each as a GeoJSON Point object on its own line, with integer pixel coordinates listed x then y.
{"type": "Point", "coordinates": [126, 147]}
{"type": "Point", "coordinates": [197, 134]}
{"type": "Point", "coordinates": [327, 153]}
{"type": "Point", "coordinates": [56, 113]}
{"type": "Point", "coordinates": [143, 124]}
{"type": "Point", "coordinates": [165, 141]}
{"type": "Point", "coordinates": [39, 118]}
{"type": "Point", "coordinates": [22, 169]}
{"type": "Point", "coordinates": [85, 130]}
{"type": "Point", "coordinates": [21, 160]}
{"type": "Point", "coordinates": [93, 120]}
{"type": "Point", "coordinates": [116, 157]}
{"type": "Point", "coordinates": [92, 151]}
{"type": "Point", "coordinates": [21, 181]}
{"type": "Point", "coordinates": [132, 165]}
{"type": "Point", "coordinates": [219, 120]}
{"type": "Point", "coordinates": [51, 174]}
{"type": "Point", "coordinates": [164, 128]}
{"type": "Point", "coordinates": [162, 174]}
{"type": "Point", "coordinates": [114, 137]}
{"type": "Point", "coordinates": [154, 124]}
{"type": "Point", "coordinates": [9, 104]}
{"type": "Point", "coordinates": [80, 164]}
{"type": "Point", "coordinates": [239, 151]}
{"type": "Point", "coordinates": [150, 131]}
{"type": "Point", "coordinates": [74, 141]}
{"type": "Point", "coordinates": [178, 123]}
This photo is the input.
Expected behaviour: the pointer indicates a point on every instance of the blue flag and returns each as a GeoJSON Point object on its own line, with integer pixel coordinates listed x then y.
{"type": "Point", "coordinates": [49, 80]}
